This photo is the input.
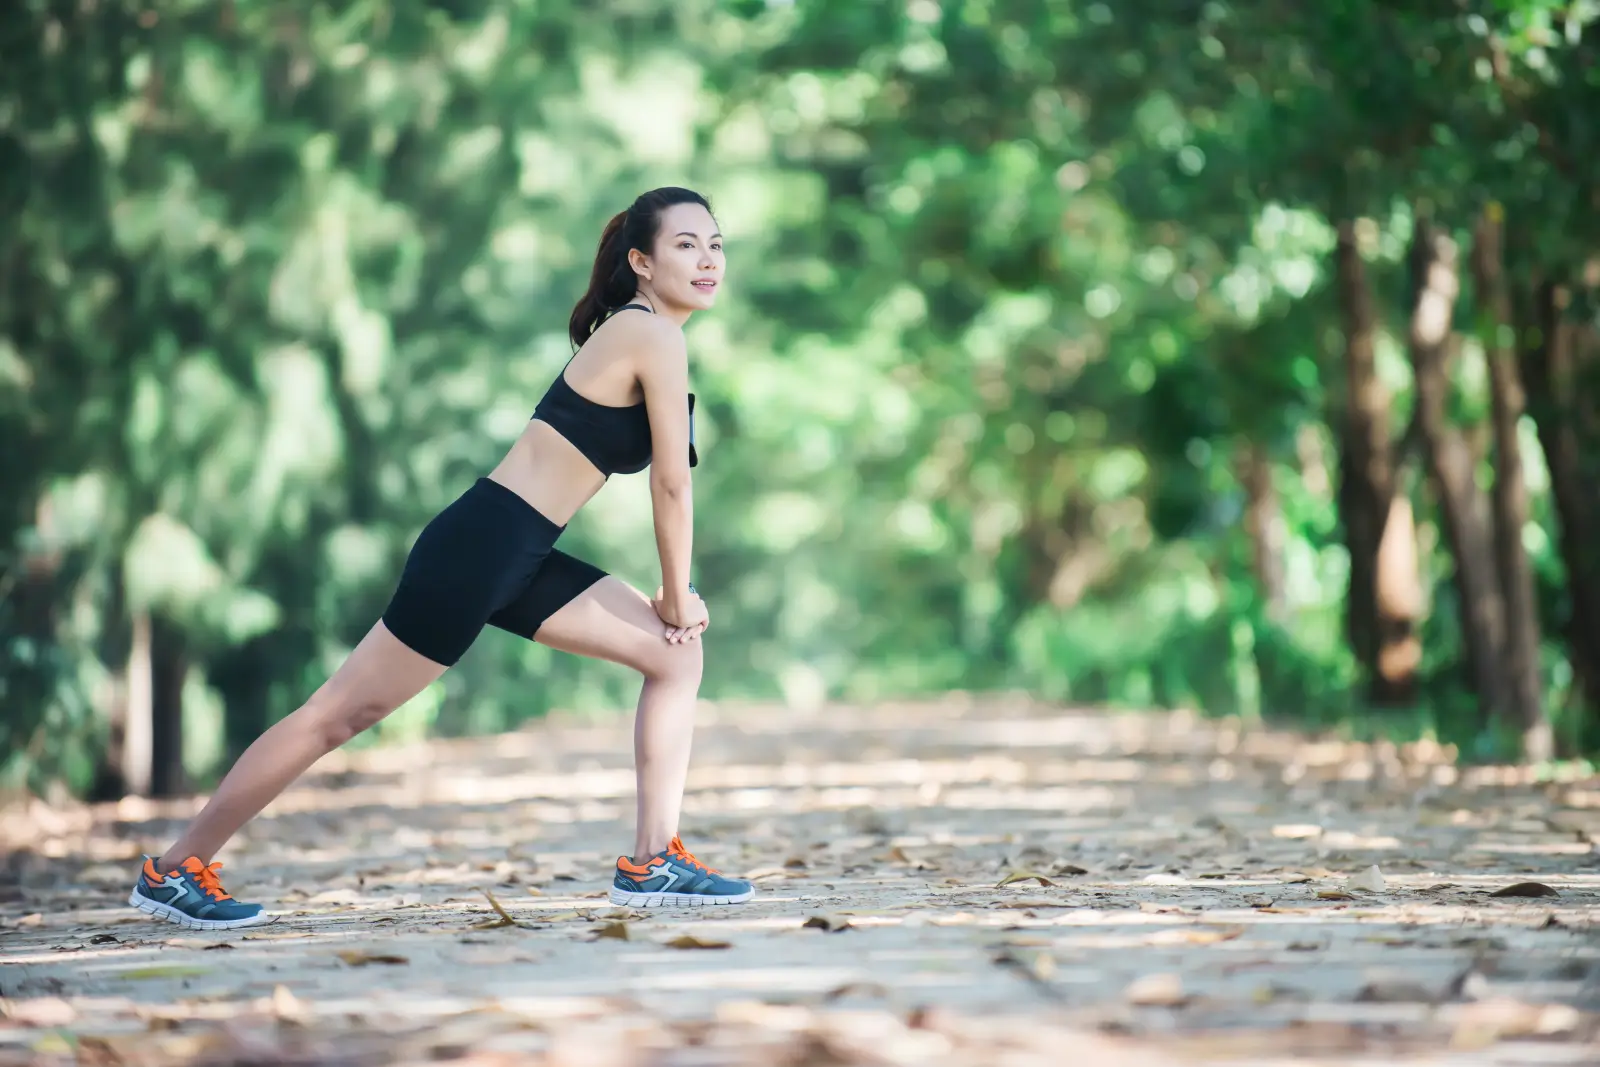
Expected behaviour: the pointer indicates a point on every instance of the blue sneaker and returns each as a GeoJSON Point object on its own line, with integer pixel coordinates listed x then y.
{"type": "Point", "coordinates": [191, 896]}
{"type": "Point", "coordinates": [674, 879]}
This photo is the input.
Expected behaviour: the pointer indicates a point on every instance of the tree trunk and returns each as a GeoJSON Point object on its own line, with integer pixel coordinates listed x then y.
{"type": "Point", "coordinates": [242, 677]}
{"type": "Point", "coordinates": [152, 742]}
{"type": "Point", "coordinates": [1269, 535]}
{"type": "Point", "coordinates": [1399, 598]}
{"type": "Point", "coordinates": [1384, 598]}
{"type": "Point", "coordinates": [1510, 494]}
{"type": "Point", "coordinates": [138, 728]}
{"type": "Point", "coordinates": [1549, 363]}
{"type": "Point", "coordinates": [109, 782]}
{"type": "Point", "coordinates": [169, 668]}
{"type": "Point", "coordinates": [1435, 285]}
{"type": "Point", "coordinates": [32, 594]}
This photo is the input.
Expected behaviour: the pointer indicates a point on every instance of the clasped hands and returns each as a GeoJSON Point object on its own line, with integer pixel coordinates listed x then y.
{"type": "Point", "coordinates": [684, 614]}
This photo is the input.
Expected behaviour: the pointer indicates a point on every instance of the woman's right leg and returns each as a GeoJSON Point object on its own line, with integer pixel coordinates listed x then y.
{"type": "Point", "coordinates": [464, 563]}
{"type": "Point", "coordinates": [380, 675]}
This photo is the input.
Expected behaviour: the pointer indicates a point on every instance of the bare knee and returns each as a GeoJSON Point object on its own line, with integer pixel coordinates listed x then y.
{"type": "Point", "coordinates": [676, 664]}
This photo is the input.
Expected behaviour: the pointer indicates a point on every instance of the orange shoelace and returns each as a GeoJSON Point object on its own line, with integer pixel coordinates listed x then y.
{"type": "Point", "coordinates": [207, 878]}
{"type": "Point", "coordinates": [676, 850]}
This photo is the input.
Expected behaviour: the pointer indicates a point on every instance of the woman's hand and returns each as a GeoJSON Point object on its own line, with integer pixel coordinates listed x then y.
{"type": "Point", "coordinates": [685, 615]}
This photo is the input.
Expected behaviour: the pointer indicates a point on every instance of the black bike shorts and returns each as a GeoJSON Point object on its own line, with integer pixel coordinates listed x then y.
{"type": "Point", "coordinates": [488, 558]}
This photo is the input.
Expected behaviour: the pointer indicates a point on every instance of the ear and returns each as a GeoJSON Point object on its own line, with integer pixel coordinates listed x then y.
{"type": "Point", "coordinates": [640, 263]}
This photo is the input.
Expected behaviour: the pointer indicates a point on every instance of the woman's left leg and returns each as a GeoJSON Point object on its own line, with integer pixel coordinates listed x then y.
{"type": "Point", "coordinates": [611, 620]}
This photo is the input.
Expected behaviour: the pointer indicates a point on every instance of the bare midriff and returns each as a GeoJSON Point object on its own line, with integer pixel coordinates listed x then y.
{"type": "Point", "coordinates": [547, 471]}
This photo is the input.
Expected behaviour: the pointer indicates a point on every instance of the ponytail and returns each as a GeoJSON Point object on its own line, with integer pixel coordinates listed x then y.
{"type": "Point", "coordinates": [612, 281]}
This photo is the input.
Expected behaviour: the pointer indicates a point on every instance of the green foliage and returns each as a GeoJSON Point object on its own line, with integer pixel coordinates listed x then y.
{"type": "Point", "coordinates": [1014, 284]}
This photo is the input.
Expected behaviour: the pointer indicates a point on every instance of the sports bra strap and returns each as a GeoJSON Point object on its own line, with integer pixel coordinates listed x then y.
{"type": "Point", "coordinates": [613, 311]}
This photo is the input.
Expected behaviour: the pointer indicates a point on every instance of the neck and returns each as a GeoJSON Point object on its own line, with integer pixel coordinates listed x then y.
{"type": "Point", "coordinates": [666, 309]}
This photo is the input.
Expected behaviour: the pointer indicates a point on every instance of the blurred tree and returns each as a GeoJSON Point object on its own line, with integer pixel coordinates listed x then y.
{"type": "Point", "coordinates": [1047, 322]}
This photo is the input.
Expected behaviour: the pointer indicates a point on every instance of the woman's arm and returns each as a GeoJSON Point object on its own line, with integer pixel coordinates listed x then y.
{"type": "Point", "coordinates": [664, 374]}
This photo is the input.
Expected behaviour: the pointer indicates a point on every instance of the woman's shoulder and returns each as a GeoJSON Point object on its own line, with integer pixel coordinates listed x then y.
{"type": "Point", "coordinates": [643, 334]}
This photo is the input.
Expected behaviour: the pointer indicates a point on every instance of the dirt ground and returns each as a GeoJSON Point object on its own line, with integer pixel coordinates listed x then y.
{"type": "Point", "coordinates": [991, 883]}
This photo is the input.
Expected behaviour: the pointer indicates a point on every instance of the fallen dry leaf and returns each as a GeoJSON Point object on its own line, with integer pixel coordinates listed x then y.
{"type": "Point", "coordinates": [1479, 942]}
{"type": "Point", "coordinates": [1027, 903]}
{"type": "Point", "coordinates": [1369, 880]}
{"type": "Point", "coordinates": [503, 920]}
{"type": "Point", "coordinates": [1333, 894]}
{"type": "Point", "coordinates": [1026, 941]}
{"type": "Point", "coordinates": [615, 931]}
{"type": "Point", "coordinates": [1395, 991]}
{"type": "Point", "coordinates": [1526, 889]}
{"type": "Point", "coordinates": [1035, 967]}
{"type": "Point", "coordinates": [1157, 990]}
{"type": "Point", "coordinates": [825, 923]}
{"type": "Point", "coordinates": [1023, 876]}
{"type": "Point", "coordinates": [871, 989]}
{"type": "Point", "coordinates": [1200, 936]}
{"type": "Point", "coordinates": [176, 970]}
{"type": "Point", "coordinates": [689, 941]}
{"type": "Point", "coordinates": [195, 943]}
{"type": "Point", "coordinates": [284, 1004]}
{"type": "Point", "coordinates": [358, 958]}
{"type": "Point", "coordinates": [1040, 965]}
{"type": "Point", "coordinates": [1296, 831]}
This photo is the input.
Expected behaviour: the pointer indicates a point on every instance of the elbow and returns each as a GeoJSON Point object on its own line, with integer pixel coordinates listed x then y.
{"type": "Point", "coordinates": [673, 486]}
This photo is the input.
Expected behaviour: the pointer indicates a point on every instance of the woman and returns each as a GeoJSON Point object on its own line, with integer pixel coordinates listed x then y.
{"type": "Point", "coordinates": [620, 405]}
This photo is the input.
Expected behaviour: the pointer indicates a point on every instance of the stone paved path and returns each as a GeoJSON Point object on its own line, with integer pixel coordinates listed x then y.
{"type": "Point", "coordinates": [1186, 898]}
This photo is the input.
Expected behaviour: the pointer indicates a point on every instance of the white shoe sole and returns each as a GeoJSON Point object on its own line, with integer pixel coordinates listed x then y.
{"type": "Point", "coordinates": [173, 915]}
{"type": "Point", "coordinates": [623, 899]}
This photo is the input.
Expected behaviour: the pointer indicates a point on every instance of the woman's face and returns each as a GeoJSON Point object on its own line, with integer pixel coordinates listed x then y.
{"type": "Point", "coordinates": [688, 263]}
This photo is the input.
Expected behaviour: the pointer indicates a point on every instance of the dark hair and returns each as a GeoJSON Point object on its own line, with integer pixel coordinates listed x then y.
{"type": "Point", "coordinates": [612, 281]}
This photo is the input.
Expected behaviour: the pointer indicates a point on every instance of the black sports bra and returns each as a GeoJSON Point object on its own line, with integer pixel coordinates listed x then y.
{"type": "Point", "coordinates": [615, 439]}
